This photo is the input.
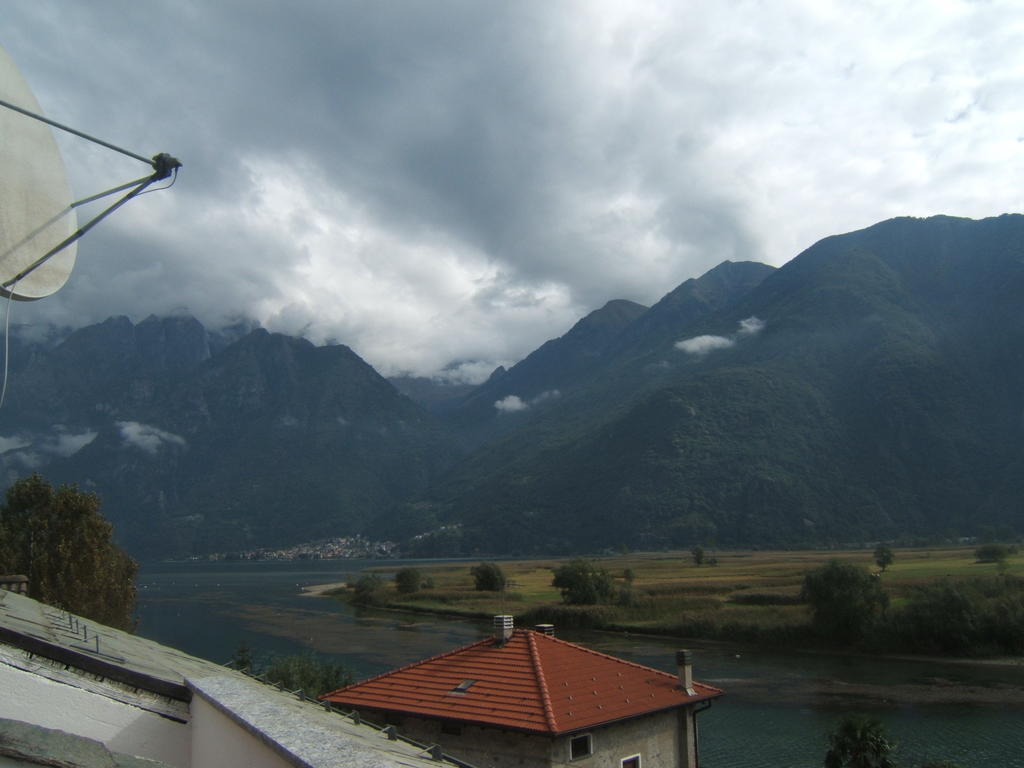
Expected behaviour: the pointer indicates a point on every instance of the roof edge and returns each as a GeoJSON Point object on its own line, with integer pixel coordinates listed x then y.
{"type": "Point", "coordinates": [551, 730]}
{"type": "Point", "coordinates": [93, 665]}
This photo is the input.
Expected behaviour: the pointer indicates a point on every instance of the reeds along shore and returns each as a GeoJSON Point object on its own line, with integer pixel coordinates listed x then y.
{"type": "Point", "coordinates": [940, 600]}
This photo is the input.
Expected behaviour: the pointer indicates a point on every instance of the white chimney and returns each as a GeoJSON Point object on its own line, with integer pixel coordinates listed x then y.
{"type": "Point", "coordinates": [684, 663]}
{"type": "Point", "coordinates": [503, 629]}
{"type": "Point", "coordinates": [545, 629]}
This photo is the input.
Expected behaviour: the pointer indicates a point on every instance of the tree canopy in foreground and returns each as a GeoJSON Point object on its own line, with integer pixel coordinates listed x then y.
{"type": "Point", "coordinates": [61, 541]}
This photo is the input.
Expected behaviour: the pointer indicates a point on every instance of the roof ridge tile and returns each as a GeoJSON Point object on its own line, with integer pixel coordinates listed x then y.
{"type": "Point", "coordinates": [549, 713]}
{"type": "Point", "coordinates": [607, 656]}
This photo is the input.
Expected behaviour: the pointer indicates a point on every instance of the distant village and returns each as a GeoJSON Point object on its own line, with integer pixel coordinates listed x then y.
{"type": "Point", "coordinates": [346, 547]}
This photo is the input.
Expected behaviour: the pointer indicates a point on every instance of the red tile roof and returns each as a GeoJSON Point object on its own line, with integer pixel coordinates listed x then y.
{"type": "Point", "coordinates": [533, 682]}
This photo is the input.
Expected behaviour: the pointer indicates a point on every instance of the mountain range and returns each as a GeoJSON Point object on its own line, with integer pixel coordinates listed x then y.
{"type": "Point", "coordinates": [869, 389]}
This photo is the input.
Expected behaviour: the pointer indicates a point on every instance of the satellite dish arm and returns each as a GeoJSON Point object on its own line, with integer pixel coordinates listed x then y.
{"type": "Point", "coordinates": [69, 129]}
{"type": "Point", "coordinates": [163, 164]}
{"type": "Point", "coordinates": [168, 166]}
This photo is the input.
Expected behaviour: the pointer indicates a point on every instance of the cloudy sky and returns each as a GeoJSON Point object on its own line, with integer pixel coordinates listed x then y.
{"type": "Point", "coordinates": [439, 181]}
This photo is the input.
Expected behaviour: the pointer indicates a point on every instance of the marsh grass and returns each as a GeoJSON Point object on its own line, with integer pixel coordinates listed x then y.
{"type": "Point", "coordinates": [748, 596]}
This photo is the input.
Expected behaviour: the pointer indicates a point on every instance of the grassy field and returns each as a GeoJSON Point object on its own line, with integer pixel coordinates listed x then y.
{"type": "Point", "coordinates": [745, 595]}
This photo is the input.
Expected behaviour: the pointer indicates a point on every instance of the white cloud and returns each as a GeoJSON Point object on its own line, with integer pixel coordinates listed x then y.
{"type": "Point", "coordinates": [471, 372]}
{"type": "Point", "coordinates": [146, 437]}
{"type": "Point", "coordinates": [43, 447]}
{"type": "Point", "coordinates": [702, 345]}
{"type": "Point", "coordinates": [514, 403]}
{"type": "Point", "coordinates": [548, 394]}
{"type": "Point", "coordinates": [750, 326]}
{"type": "Point", "coordinates": [65, 444]}
{"type": "Point", "coordinates": [462, 181]}
{"type": "Point", "coordinates": [510, 404]}
{"type": "Point", "coordinates": [13, 443]}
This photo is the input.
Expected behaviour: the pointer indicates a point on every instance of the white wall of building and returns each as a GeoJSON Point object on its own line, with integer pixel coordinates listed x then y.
{"type": "Point", "coordinates": [121, 727]}
{"type": "Point", "coordinates": [219, 741]}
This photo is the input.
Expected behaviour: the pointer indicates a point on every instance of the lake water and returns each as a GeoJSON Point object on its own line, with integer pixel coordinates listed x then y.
{"type": "Point", "coordinates": [777, 709]}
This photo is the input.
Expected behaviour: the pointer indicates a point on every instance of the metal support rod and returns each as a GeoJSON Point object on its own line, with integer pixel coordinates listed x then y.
{"type": "Point", "coordinates": [81, 231]}
{"type": "Point", "coordinates": [69, 129]}
{"type": "Point", "coordinates": [112, 191]}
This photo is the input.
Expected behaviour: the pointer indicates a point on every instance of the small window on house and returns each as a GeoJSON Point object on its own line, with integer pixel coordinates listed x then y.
{"type": "Point", "coordinates": [580, 746]}
{"type": "Point", "coordinates": [631, 762]}
{"type": "Point", "coordinates": [451, 729]}
{"type": "Point", "coordinates": [464, 686]}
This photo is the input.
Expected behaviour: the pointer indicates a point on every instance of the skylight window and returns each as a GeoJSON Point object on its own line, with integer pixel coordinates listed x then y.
{"type": "Point", "coordinates": [464, 686]}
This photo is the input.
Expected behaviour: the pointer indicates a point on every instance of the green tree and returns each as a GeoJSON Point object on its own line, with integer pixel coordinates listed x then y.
{"type": "Point", "coordinates": [943, 617]}
{"type": "Point", "coordinates": [698, 555]}
{"type": "Point", "coordinates": [991, 553]}
{"type": "Point", "coordinates": [488, 577]}
{"type": "Point", "coordinates": [408, 580]}
{"type": "Point", "coordinates": [59, 539]}
{"type": "Point", "coordinates": [304, 671]}
{"type": "Point", "coordinates": [844, 599]}
{"type": "Point", "coordinates": [369, 590]}
{"type": "Point", "coordinates": [883, 556]}
{"type": "Point", "coordinates": [308, 672]}
{"type": "Point", "coordinates": [582, 583]}
{"type": "Point", "coordinates": [242, 658]}
{"type": "Point", "coordinates": [859, 742]}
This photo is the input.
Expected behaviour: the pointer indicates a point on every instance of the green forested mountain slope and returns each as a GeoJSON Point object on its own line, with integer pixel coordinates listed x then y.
{"type": "Point", "coordinates": [868, 389]}
{"type": "Point", "coordinates": [265, 442]}
{"type": "Point", "coordinates": [879, 398]}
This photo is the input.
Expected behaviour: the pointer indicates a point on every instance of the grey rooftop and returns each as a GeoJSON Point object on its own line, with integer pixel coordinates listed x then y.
{"type": "Point", "coordinates": [54, 644]}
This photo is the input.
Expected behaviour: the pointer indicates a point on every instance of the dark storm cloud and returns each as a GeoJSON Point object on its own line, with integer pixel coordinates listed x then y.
{"type": "Point", "coordinates": [462, 180]}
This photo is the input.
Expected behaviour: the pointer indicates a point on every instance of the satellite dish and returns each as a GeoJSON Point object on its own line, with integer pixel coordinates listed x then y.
{"type": "Point", "coordinates": [36, 214]}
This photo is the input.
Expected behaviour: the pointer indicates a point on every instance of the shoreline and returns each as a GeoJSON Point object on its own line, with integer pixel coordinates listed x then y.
{"type": "Point", "coordinates": [320, 590]}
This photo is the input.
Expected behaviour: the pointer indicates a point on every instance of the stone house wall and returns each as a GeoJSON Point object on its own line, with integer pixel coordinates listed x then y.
{"type": "Point", "coordinates": [659, 739]}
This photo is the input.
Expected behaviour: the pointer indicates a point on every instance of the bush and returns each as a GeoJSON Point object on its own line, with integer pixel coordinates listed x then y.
{"type": "Point", "coordinates": [582, 583]}
{"type": "Point", "coordinates": [369, 590]}
{"type": "Point", "coordinates": [765, 598]}
{"type": "Point", "coordinates": [859, 742]}
{"type": "Point", "coordinates": [571, 616]}
{"type": "Point", "coordinates": [488, 577]}
{"type": "Point", "coordinates": [307, 672]}
{"type": "Point", "coordinates": [967, 617]}
{"type": "Point", "coordinates": [408, 580]}
{"type": "Point", "coordinates": [844, 600]}
{"type": "Point", "coordinates": [991, 553]}
{"type": "Point", "coordinates": [938, 618]}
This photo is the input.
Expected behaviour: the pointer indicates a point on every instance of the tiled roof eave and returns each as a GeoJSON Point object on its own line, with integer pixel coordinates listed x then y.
{"type": "Point", "coordinates": [632, 716]}
{"type": "Point", "coordinates": [550, 731]}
